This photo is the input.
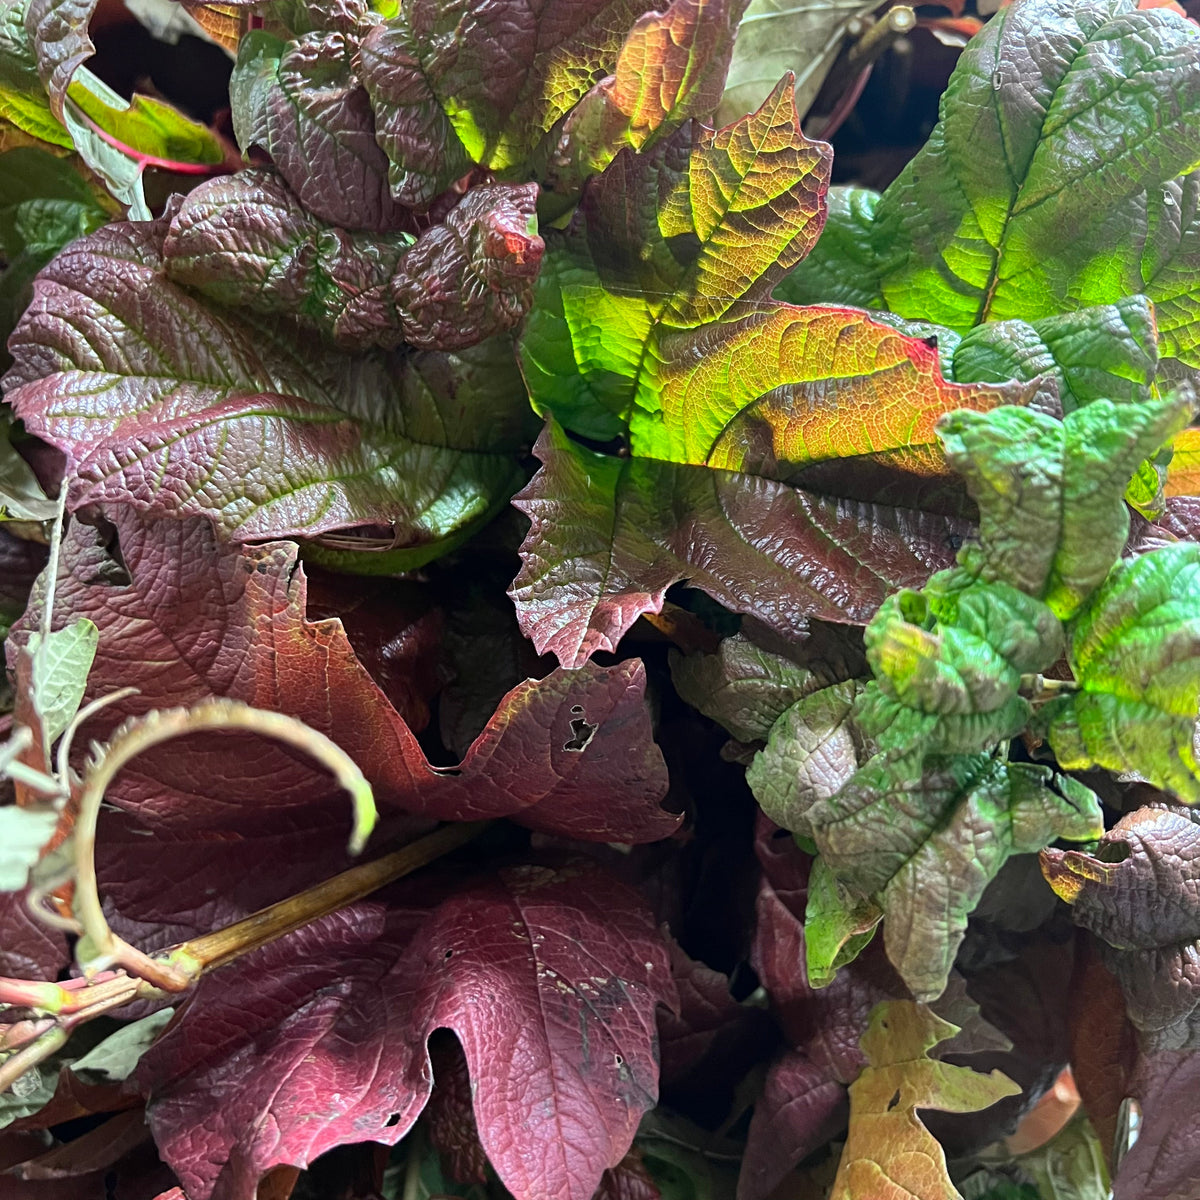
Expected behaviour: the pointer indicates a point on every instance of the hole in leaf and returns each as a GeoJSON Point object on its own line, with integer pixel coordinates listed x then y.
{"type": "Point", "coordinates": [448, 955]}
{"type": "Point", "coordinates": [894, 1100]}
{"type": "Point", "coordinates": [619, 1061]}
{"type": "Point", "coordinates": [394, 1119]}
{"type": "Point", "coordinates": [581, 734]}
{"type": "Point", "coordinates": [577, 710]}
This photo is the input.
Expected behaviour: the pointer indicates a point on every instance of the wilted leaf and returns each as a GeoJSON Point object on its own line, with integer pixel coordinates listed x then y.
{"type": "Point", "coordinates": [610, 535]}
{"type": "Point", "coordinates": [548, 976]}
{"type": "Point", "coordinates": [1134, 893]}
{"type": "Point", "coordinates": [166, 403]}
{"type": "Point", "coordinates": [1050, 493]}
{"type": "Point", "coordinates": [455, 84]}
{"type": "Point", "coordinates": [1135, 652]}
{"type": "Point", "coordinates": [923, 841]}
{"type": "Point", "coordinates": [888, 1151]}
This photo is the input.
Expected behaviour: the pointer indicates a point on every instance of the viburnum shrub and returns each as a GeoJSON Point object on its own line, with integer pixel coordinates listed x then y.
{"type": "Point", "coordinates": [416, 818]}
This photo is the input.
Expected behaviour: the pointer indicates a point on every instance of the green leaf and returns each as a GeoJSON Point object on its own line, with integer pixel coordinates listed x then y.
{"type": "Point", "coordinates": [1105, 352]}
{"type": "Point", "coordinates": [1057, 178]}
{"type": "Point", "coordinates": [60, 674]}
{"type": "Point", "coordinates": [21, 496]}
{"type": "Point", "coordinates": [746, 688]}
{"type": "Point", "coordinates": [812, 751]}
{"type": "Point", "coordinates": [837, 928]}
{"type": "Point", "coordinates": [777, 36]}
{"type": "Point", "coordinates": [924, 838]}
{"type": "Point", "coordinates": [954, 655]}
{"type": "Point", "coordinates": [23, 99]}
{"type": "Point", "coordinates": [1050, 493]}
{"type": "Point", "coordinates": [23, 833]}
{"type": "Point", "coordinates": [1135, 653]}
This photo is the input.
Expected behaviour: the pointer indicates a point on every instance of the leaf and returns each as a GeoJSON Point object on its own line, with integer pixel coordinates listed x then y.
{"type": "Point", "coordinates": [23, 100]}
{"type": "Point", "coordinates": [547, 975]}
{"type": "Point", "coordinates": [836, 930]}
{"type": "Point", "coordinates": [1052, 182]}
{"type": "Point", "coordinates": [23, 834]}
{"type": "Point", "coordinates": [117, 138]}
{"type": "Point", "coordinates": [747, 688]}
{"type": "Point", "coordinates": [21, 496]}
{"type": "Point", "coordinates": [215, 620]}
{"type": "Point", "coordinates": [247, 240]}
{"type": "Point", "coordinates": [1050, 493]}
{"type": "Point", "coordinates": [1161, 1164]}
{"type": "Point", "coordinates": [1105, 352]}
{"type": "Point", "coordinates": [58, 31]}
{"type": "Point", "coordinates": [812, 751]}
{"type": "Point", "coordinates": [456, 84]}
{"type": "Point", "coordinates": [923, 840]}
{"type": "Point", "coordinates": [948, 663]}
{"type": "Point", "coordinates": [1133, 892]}
{"type": "Point", "coordinates": [1183, 478]}
{"type": "Point", "coordinates": [60, 674]}
{"type": "Point", "coordinates": [301, 102]}
{"type": "Point", "coordinates": [190, 410]}
{"type": "Point", "coordinates": [610, 535]}
{"type": "Point", "coordinates": [1134, 650]}
{"type": "Point", "coordinates": [671, 67]}
{"type": "Point", "coordinates": [888, 1150]}
{"type": "Point", "coordinates": [774, 38]}
{"type": "Point", "coordinates": [28, 949]}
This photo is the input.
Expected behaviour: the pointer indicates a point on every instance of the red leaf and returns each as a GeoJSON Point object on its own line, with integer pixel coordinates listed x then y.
{"type": "Point", "coordinates": [548, 977]}
{"type": "Point", "coordinates": [199, 619]}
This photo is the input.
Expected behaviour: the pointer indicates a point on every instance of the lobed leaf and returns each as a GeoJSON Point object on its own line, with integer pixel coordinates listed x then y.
{"type": "Point", "coordinates": [1135, 652]}
{"type": "Point", "coordinates": [888, 1150]}
{"type": "Point", "coordinates": [216, 620]}
{"type": "Point", "coordinates": [548, 974]}
{"type": "Point", "coordinates": [1051, 494]}
{"type": "Point", "coordinates": [166, 403]}
{"type": "Point", "coordinates": [610, 535]}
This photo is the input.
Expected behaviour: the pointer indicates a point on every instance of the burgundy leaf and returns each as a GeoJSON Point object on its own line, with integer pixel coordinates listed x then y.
{"type": "Point", "coordinates": [162, 401]}
{"type": "Point", "coordinates": [799, 1110]}
{"type": "Point", "coordinates": [548, 977]}
{"type": "Point", "coordinates": [570, 754]}
{"type": "Point", "coordinates": [1164, 1163]}
{"type": "Point", "coordinates": [246, 239]}
{"type": "Point", "coordinates": [504, 72]}
{"type": "Point", "coordinates": [28, 949]}
{"type": "Point", "coordinates": [20, 562]}
{"type": "Point", "coordinates": [449, 1116]}
{"type": "Point", "coordinates": [610, 535]}
{"type": "Point", "coordinates": [1137, 895]}
{"type": "Point", "coordinates": [302, 103]}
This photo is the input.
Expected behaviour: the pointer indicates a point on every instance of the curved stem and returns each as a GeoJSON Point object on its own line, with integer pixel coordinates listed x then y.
{"type": "Point", "coordinates": [143, 733]}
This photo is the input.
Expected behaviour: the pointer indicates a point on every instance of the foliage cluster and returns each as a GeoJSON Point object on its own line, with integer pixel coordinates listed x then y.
{"type": "Point", "coordinates": [807, 745]}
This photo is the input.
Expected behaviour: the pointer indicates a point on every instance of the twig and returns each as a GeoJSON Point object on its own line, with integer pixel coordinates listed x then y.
{"type": "Point", "coordinates": [101, 945]}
